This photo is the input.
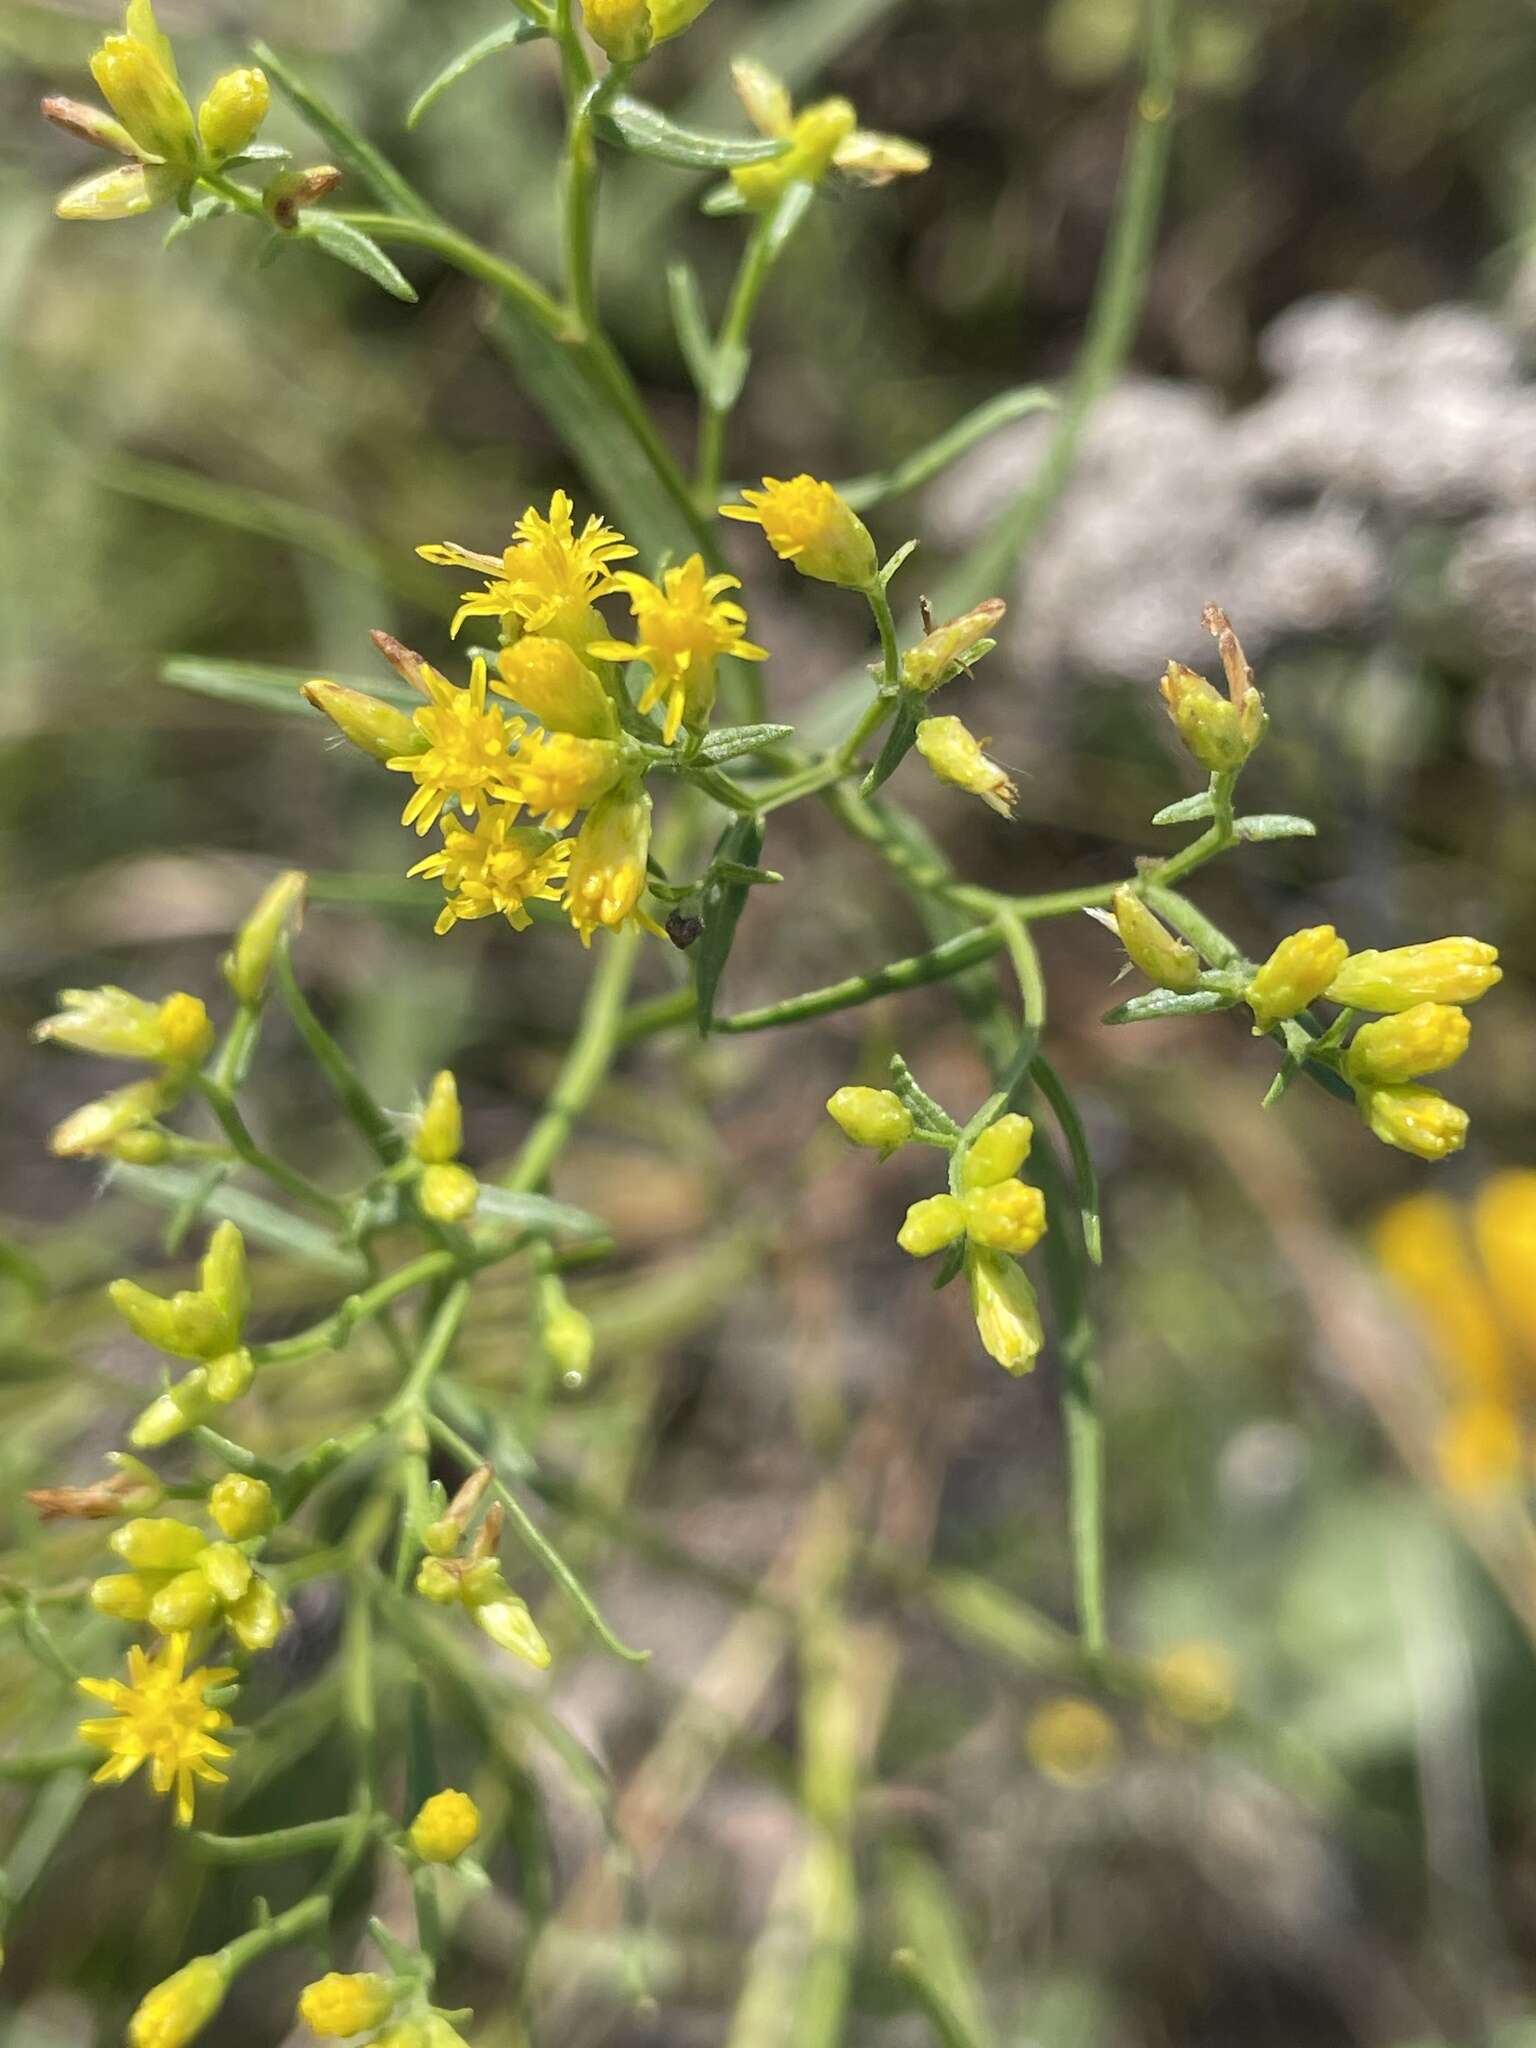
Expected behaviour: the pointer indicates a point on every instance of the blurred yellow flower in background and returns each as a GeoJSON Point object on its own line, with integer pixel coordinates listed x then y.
{"type": "Point", "coordinates": [1072, 1742]}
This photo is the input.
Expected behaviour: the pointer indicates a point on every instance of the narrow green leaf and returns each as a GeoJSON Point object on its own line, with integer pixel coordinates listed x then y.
{"type": "Point", "coordinates": [721, 201]}
{"type": "Point", "coordinates": [1167, 1002]}
{"type": "Point", "coordinates": [537, 1213]}
{"type": "Point", "coordinates": [733, 740]}
{"type": "Point", "coordinates": [950, 1266]}
{"type": "Point", "coordinates": [260, 1220]}
{"type": "Point", "coordinates": [793, 205]}
{"type": "Point", "coordinates": [207, 208]}
{"type": "Point", "coordinates": [264, 687]}
{"type": "Point", "coordinates": [346, 1083]}
{"type": "Point", "coordinates": [899, 742]}
{"type": "Point", "coordinates": [351, 150]}
{"type": "Point", "coordinates": [636, 125]}
{"type": "Point", "coordinates": [349, 245]}
{"type": "Point", "coordinates": [917, 468]}
{"type": "Point", "coordinates": [1273, 825]}
{"type": "Point", "coordinates": [20, 1266]}
{"type": "Point", "coordinates": [504, 37]}
{"type": "Point", "coordinates": [1189, 810]}
{"type": "Point", "coordinates": [691, 325]}
{"type": "Point", "coordinates": [723, 902]}
{"type": "Point", "coordinates": [1065, 1110]}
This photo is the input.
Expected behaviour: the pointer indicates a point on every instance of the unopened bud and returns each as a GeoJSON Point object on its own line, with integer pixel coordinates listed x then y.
{"type": "Point", "coordinates": [1162, 958]}
{"type": "Point", "coordinates": [1423, 1040]}
{"type": "Point", "coordinates": [945, 650]}
{"type": "Point", "coordinates": [118, 194]}
{"type": "Point", "coordinates": [874, 1117]}
{"type": "Point", "coordinates": [1295, 974]}
{"type": "Point", "coordinates": [1008, 1216]}
{"type": "Point", "coordinates": [621, 29]}
{"type": "Point", "coordinates": [511, 1627]}
{"type": "Point", "coordinates": [249, 961]}
{"type": "Point", "coordinates": [999, 1152]}
{"type": "Point", "coordinates": [956, 756]}
{"type": "Point", "coordinates": [440, 1133]}
{"type": "Point", "coordinates": [1441, 971]}
{"type": "Point", "coordinates": [174, 1412]}
{"type": "Point", "coordinates": [90, 124]}
{"type": "Point", "coordinates": [98, 1127]}
{"type": "Point", "coordinates": [175, 2012]}
{"type": "Point", "coordinates": [235, 108]}
{"type": "Point", "coordinates": [448, 1193]}
{"type": "Point", "coordinates": [291, 191]}
{"type": "Point", "coordinates": [258, 1618]}
{"type": "Point", "coordinates": [146, 99]}
{"type": "Point", "coordinates": [447, 1824]}
{"type": "Point", "coordinates": [223, 1274]}
{"type": "Point", "coordinates": [671, 17]}
{"type": "Point", "coordinates": [241, 1507]}
{"type": "Point", "coordinates": [126, 1596]}
{"type": "Point", "coordinates": [814, 141]}
{"type": "Point", "coordinates": [1218, 733]}
{"type": "Point", "coordinates": [1003, 1303]}
{"type": "Point", "coordinates": [1414, 1119]}
{"type": "Point", "coordinates": [186, 1030]}
{"type": "Point", "coordinates": [229, 1375]}
{"type": "Point", "coordinates": [184, 1603]}
{"type": "Point", "coordinates": [335, 2007]}
{"type": "Point", "coordinates": [188, 1325]}
{"type": "Point", "coordinates": [931, 1225]}
{"type": "Point", "coordinates": [568, 1340]}
{"type": "Point", "coordinates": [158, 1543]}
{"type": "Point", "coordinates": [228, 1571]}
{"type": "Point", "coordinates": [371, 725]}
{"type": "Point", "coordinates": [438, 1582]}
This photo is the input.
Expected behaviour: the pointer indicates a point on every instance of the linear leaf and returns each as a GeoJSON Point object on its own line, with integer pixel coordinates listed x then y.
{"type": "Point", "coordinates": [1167, 1002]}
{"type": "Point", "coordinates": [741, 842]}
{"type": "Point", "coordinates": [1066, 1112]}
{"type": "Point", "coordinates": [1189, 810]}
{"type": "Point", "coordinates": [537, 1213]}
{"type": "Point", "coordinates": [504, 37]}
{"type": "Point", "coordinates": [1274, 825]}
{"type": "Point", "coordinates": [730, 741]}
{"type": "Point", "coordinates": [899, 741]}
{"type": "Point", "coordinates": [926, 462]}
{"type": "Point", "coordinates": [691, 326]}
{"type": "Point", "coordinates": [636, 125]}
{"type": "Point", "coordinates": [353, 151]}
{"type": "Point", "coordinates": [349, 245]}
{"type": "Point", "coordinates": [262, 686]}
{"type": "Point", "coordinates": [258, 1218]}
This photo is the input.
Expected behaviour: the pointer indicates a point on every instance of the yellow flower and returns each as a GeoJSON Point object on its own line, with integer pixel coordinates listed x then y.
{"type": "Point", "coordinates": [1196, 1683]}
{"type": "Point", "coordinates": [621, 29]}
{"type": "Point", "coordinates": [1295, 974]}
{"type": "Point", "coordinates": [1414, 1119]}
{"type": "Point", "coordinates": [176, 2011]}
{"type": "Point", "coordinates": [162, 1718]}
{"type": "Point", "coordinates": [547, 678]}
{"type": "Point", "coordinates": [871, 1116]}
{"type": "Point", "coordinates": [547, 579]}
{"type": "Point", "coordinates": [683, 626]}
{"type": "Point", "coordinates": [557, 774]}
{"type": "Point", "coordinates": [137, 76]}
{"type": "Point", "coordinates": [823, 136]}
{"type": "Point", "coordinates": [495, 868]}
{"type": "Point", "coordinates": [608, 864]}
{"type": "Point", "coordinates": [448, 1192]}
{"type": "Point", "coordinates": [466, 755]}
{"type": "Point", "coordinates": [1149, 945]}
{"type": "Point", "coordinates": [336, 2006]}
{"type": "Point", "coordinates": [1008, 1216]}
{"type": "Point", "coordinates": [447, 1825]}
{"type": "Point", "coordinates": [120, 1026]}
{"type": "Point", "coordinates": [1504, 1225]}
{"type": "Point", "coordinates": [1423, 1040]}
{"type": "Point", "coordinates": [813, 526]}
{"type": "Point", "coordinates": [956, 756]}
{"type": "Point", "coordinates": [1219, 733]}
{"type": "Point", "coordinates": [1072, 1742]}
{"type": "Point", "coordinates": [1003, 1303]}
{"type": "Point", "coordinates": [1441, 971]}
{"type": "Point", "coordinates": [241, 1507]}
{"type": "Point", "coordinates": [369, 723]}
{"type": "Point", "coordinates": [234, 109]}
{"type": "Point", "coordinates": [1479, 1448]}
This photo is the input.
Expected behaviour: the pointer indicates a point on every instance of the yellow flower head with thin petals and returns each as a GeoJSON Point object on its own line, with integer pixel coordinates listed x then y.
{"type": "Point", "coordinates": [548, 578]}
{"type": "Point", "coordinates": [558, 774]}
{"type": "Point", "coordinates": [466, 755]}
{"type": "Point", "coordinates": [608, 864]}
{"type": "Point", "coordinates": [682, 626]}
{"type": "Point", "coordinates": [161, 1717]}
{"type": "Point", "coordinates": [812, 525]}
{"type": "Point", "coordinates": [495, 868]}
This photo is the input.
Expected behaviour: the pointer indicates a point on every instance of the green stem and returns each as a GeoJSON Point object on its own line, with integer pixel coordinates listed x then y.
{"type": "Point", "coordinates": [1080, 1405]}
{"type": "Point", "coordinates": [293, 1925]}
{"type": "Point", "coordinates": [592, 1050]}
{"type": "Point", "coordinates": [264, 1848]}
{"type": "Point", "coordinates": [458, 250]}
{"type": "Point", "coordinates": [430, 1359]}
{"type": "Point", "coordinates": [890, 647]}
{"type": "Point", "coordinates": [761, 252]}
{"type": "Point", "coordinates": [579, 174]}
{"type": "Point", "coordinates": [235, 1128]}
{"type": "Point", "coordinates": [333, 1330]}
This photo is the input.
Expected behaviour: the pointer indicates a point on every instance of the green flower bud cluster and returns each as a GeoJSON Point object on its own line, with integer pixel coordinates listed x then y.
{"type": "Point", "coordinates": [446, 1189]}
{"type": "Point", "coordinates": [475, 1582]}
{"type": "Point", "coordinates": [205, 1322]}
{"type": "Point", "coordinates": [179, 1579]}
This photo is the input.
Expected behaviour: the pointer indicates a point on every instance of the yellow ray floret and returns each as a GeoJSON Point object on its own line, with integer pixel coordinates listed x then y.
{"type": "Point", "coordinates": [161, 1717]}
{"type": "Point", "coordinates": [547, 578]}
{"type": "Point", "coordinates": [682, 627]}
{"type": "Point", "coordinates": [466, 751]}
{"type": "Point", "coordinates": [495, 868]}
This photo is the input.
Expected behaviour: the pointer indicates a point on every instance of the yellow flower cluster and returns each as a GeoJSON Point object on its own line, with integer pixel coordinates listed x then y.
{"type": "Point", "coordinates": [572, 744]}
{"type": "Point", "coordinates": [161, 1716]}
{"type": "Point", "coordinates": [167, 147]}
{"type": "Point", "coordinates": [179, 1580]}
{"type": "Point", "coordinates": [1468, 1275]}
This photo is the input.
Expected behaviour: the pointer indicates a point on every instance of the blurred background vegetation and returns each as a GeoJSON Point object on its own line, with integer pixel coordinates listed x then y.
{"type": "Point", "coordinates": [1323, 1827]}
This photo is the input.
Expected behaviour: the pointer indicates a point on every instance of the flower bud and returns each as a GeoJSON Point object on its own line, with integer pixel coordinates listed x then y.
{"type": "Point", "coordinates": [1009, 1216]}
{"type": "Point", "coordinates": [184, 1603]}
{"type": "Point", "coordinates": [1218, 733]}
{"type": "Point", "coordinates": [1162, 958]}
{"type": "Point", "coordinates": [229, 1376]}
{"type": "Point", "coordinates": [227, 1570]}
{"type": "Point", "coordinates": [118, 194]}
{"type": "Point", "coordinates": [140, 1148]}
{"type": "Point", "coordinates": [871, 1116]}
{"type": "Point", "coordinates": [126, 1596]}
{"type": "Point", "coordinates": [606, 877]}
{"type": "Point", "coordinates": [568, 1340]}
{"type": "Point", "coordinates": [999, 1152]}
{"type": "Point", "coordinates": [97, 1127]}
{"type": "Point", "coordinates": [813, 143]}
{"type": "Point", "coordinates": [146, 98]}
{"type": "Point", "coordinates": [1003, 1303]}
{"type": "Point", "coordinates": [943, 652]}
{"type": "Point", "coordinates": [956, 756]}
{"type": "Point", "coordinates": [121, 1026]}
{"type": "Point", "coordinates": [286, 196]}
{"type": "Point", "coordinates": [90, 124]}
{"type": "Point", "coordinates": [440, 1132]}
{"type": "Point", "coordinates": [435, 1581]}
{"type": "Point", "coordinates": [174, 1412]}
{"type": "Point", "coordinates": [336, 2006]}
{"type": "Point", "coordinates": [548, 678]}
{"type": "Point", "coordinates": [1295, 974]}
{"type": "Point", "coordinates": [249, 961]}
{"type": "Point", "coordinates": [258, 1617]}
{"type": "Point", "coordinates": [241, 1507]}
{"type": "Point", "coordinates": [1441, 971]}
{"type": "Point", "coordinates": [1414, 1119]}
{"type": "Point", "coordinates": [447, 1825]}
{"type": "Point", "coordinates": [1196, 1683]}
{"type": "Point", "coordinates": [810, 524]}
{"type": "Point", "coordinates": [188, 1324]}
{"type": "Point", "coordinates": [372, 726]}
{"type": "Point", "coordinates": [511, 1627]}
{"type": "Point", "coordinates": [158, 1543]}
{"type": "Point", "coordinates": [223, 1274]}
{"type": "Point", "coordinates": [1071, 1742]}
{"type": "Point", "coordinates": [671, 17]}
{"type": "Point", "coordinates": [931, 1225]}
{"type": "Point", "coordinates": [448, 1194]}
{"type": "Point", "coordinates": [621, 29]}
{"type": "Point", "coordinates": [235, 108]}
{"type": "Point", "coordinates": [186, 1030]}
{"type": "Point", "coordinates": [175, 2012]}
{"type": "Point", "coordinates": [1423, 1040]}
